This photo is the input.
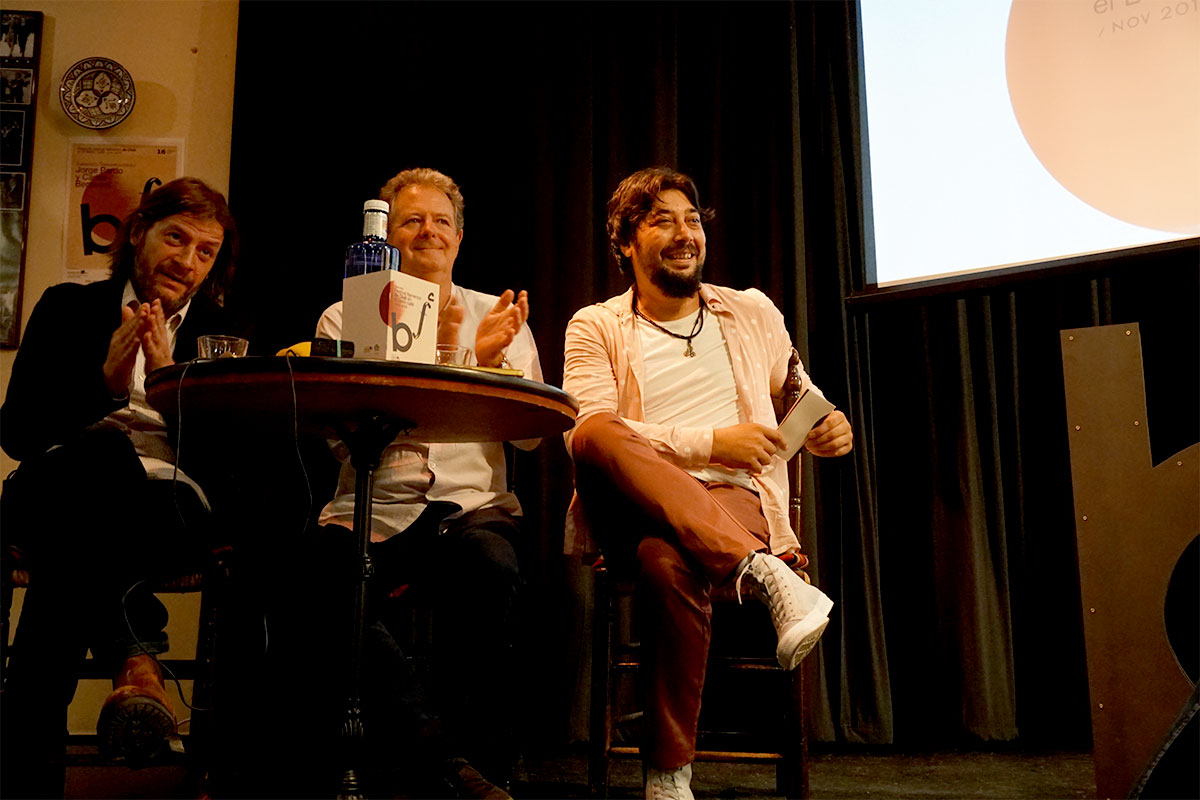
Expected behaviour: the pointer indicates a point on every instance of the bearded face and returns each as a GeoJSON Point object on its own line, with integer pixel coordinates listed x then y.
{"type": "Point", "coordinates": [678, 282]}
{"type": "Point", "coordinates": [667, 249]}
{"type": "Point", "coordinates": [174, 257]}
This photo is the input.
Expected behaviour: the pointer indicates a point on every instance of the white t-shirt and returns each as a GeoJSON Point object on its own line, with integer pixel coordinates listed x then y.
{"type": "Point", "coordinates": [691, 392]}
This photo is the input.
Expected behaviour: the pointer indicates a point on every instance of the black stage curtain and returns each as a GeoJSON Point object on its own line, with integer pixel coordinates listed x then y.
{"type": "Point", "coordinates": [980, 587]}
{"type": "Point", "coordinates": [947, 538]}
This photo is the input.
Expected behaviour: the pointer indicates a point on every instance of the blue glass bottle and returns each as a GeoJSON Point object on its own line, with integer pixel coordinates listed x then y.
{"type": "Point", "coordinates": [373, 253]}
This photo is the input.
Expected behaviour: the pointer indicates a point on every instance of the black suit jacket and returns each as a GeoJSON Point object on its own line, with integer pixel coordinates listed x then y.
{"type": "Point", "coordinates": [57, 386]}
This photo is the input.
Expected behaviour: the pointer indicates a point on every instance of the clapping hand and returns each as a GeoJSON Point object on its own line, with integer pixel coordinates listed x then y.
{"type": "Point", "coordinates": [498, 329]}
{"type": "Point", "coordinates": [145, 328]}
{"type": "Point", "coordinates": [449, 320]}
{"type": "Point", "coordinates": [156, 342]}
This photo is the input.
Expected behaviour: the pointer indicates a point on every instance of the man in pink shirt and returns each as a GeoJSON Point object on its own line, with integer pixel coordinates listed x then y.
{"type": "Point", "coordinates": [675, 451]}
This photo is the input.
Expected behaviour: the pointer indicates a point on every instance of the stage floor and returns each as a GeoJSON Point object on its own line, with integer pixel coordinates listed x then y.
{"type": "Point", "coordinates": [840, 775]}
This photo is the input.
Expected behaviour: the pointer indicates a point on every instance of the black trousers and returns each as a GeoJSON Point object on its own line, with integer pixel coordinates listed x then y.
{"type": "Point", "coordinates": [95, 530]}
{"type": "Point", "coordinates": [418, 715]}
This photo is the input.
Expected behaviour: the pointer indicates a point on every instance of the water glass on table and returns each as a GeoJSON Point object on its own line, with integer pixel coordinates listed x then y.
{"type": "Point", "coordinates": [453, 355]}
{"type": "Point", "coordinates": [221, 346]}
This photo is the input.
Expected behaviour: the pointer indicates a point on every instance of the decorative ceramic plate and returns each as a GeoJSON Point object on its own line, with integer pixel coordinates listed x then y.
{"type": "Point", "coordinates": [97, 93]}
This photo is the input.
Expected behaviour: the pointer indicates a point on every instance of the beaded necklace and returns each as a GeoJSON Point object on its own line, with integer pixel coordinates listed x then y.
{"type": "Point", "coordinates": [699, 326]}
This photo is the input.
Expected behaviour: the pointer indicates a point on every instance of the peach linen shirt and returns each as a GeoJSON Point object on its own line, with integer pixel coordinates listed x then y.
{"type": "Point", "coordinates": [603, 370]}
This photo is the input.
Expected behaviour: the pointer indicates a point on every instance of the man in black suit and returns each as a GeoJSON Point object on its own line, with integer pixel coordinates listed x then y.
{"type": "Point", "coordinates": [98, 504]}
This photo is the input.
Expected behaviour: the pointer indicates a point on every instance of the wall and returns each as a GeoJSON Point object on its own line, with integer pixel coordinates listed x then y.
{"type": "Point", "coordinates": [181, 55]}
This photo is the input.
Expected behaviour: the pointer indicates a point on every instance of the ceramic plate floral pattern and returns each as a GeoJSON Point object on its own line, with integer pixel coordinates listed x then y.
{"type": "Point", "coordinates": [97, 93]}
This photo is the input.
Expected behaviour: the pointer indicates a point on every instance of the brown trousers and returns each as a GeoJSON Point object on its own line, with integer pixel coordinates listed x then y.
{"type": "Point", "coordinates": [685, 537]}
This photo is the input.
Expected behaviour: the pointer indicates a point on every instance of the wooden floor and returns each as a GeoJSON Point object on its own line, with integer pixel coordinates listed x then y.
{"type": "Point", "coordinates": [854, 776]}
{"type": "Point", "coordinates": [842, 775]}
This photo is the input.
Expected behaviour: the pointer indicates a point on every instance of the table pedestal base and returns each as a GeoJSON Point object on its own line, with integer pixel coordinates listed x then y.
{"type": "Point", "coordinates": [366, 444]}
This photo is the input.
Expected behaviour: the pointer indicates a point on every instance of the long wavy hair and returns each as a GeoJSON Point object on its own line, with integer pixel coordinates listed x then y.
{"type": "Point", "coordinates": [195, 198]}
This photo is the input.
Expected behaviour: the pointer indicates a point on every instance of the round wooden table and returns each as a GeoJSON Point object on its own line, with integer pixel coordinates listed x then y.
{"type": "Point", "coordinates": [368, 404]}
{"type": "Point", "coordinates": [329, 395]}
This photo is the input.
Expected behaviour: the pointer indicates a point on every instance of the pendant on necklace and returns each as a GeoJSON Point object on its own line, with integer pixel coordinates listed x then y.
{"type": "Point", "coordinates": [689, 353]}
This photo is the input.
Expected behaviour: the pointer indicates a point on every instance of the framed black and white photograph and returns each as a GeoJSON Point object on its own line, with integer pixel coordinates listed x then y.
{"type": "Point", "coordinates": [20, 34]}
{"type": "Point", "coordinates": [20, 51]}
{"type": "Point", "coordinates": [12, 138]}
{"type": "Point", "coordinates": [12, 191]}
{"type": "Point", "coordinates": [16, 86]}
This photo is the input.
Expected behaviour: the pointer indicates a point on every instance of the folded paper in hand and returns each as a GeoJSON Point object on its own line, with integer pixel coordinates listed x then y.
{"type": "Point", "coordinates": [806, 414]}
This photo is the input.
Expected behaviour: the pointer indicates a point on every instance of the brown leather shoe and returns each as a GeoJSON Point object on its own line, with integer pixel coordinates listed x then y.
{"type": "Point", "coordinates": [137, 717]}
{"type": "Point", "coordinates": [466, 782]}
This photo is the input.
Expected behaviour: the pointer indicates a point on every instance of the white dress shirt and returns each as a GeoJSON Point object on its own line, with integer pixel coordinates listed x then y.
{"type": "Point", "coordinates": [471, 474]}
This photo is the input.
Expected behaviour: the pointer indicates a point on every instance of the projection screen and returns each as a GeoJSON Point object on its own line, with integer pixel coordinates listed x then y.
{"type": "Point", "coordinates": [1015, 132]}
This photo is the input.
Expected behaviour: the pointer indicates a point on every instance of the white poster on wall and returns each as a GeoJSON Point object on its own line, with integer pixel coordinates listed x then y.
{"type": "Point", "coordinates": [106, 180]}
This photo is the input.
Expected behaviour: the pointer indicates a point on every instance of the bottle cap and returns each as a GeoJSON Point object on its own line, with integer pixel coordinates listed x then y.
{"type": "Point", "coordinates": [376, 205]}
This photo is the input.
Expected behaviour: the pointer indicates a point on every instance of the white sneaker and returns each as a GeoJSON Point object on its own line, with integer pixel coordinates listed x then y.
{"type": "Point", "coordinates": [799, 611]}
{"type": "Point", "coordinates": [672, 784]}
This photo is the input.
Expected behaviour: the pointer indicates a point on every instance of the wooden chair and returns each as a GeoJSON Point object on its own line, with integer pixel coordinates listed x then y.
{"type": "Point", "coordinates": [18, 571]}
{"type": "Point", "coordinates": [741, 662]}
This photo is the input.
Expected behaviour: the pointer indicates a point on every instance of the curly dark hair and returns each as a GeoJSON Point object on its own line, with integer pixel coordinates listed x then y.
{"type": "Point", "coordinates": [195, 198]}
{"type": "Point", "coordinates": [633, 200]}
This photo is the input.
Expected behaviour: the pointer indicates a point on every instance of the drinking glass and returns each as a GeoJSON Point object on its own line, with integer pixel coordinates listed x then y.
{"type": "Point", "coordinates": [453, 355]}
{"type": "Point", "coordinates": [221, 346]}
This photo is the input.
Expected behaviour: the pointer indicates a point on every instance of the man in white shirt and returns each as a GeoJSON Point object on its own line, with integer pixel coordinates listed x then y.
{"type": "Point", "coordinates": [675, 451]}
{"type": "Point", "coordinates": [448, 504]}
